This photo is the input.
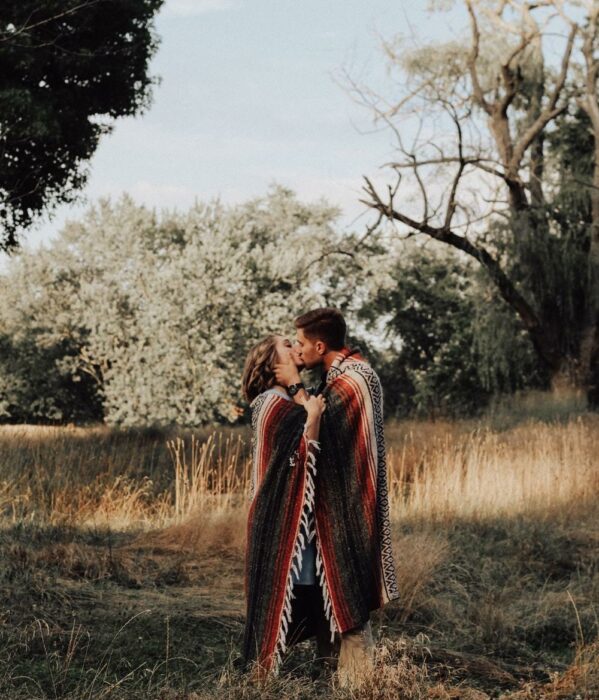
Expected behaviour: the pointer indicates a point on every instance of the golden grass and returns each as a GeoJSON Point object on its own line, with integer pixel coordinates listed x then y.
{"type": "Point", "coordinates": [140, 480]}
{"type": "Point", "coordinates": [212, 478]}
{"type": "Point", "coordinates": [135, 479]}
{"type": "Point", "coordinates": [533, 467]}
{"type": "Point", "coordinates": [174, 504]}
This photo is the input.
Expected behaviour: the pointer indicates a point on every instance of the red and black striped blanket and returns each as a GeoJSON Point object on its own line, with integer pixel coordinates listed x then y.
{"type": "Point", "coordinates": [343, 479]}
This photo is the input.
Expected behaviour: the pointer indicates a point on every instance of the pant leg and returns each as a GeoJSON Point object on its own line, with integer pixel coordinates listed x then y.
{"type": "Point", "coordinates": [356, 655]}
{"type": "Point", "coordinates": [303, 616]}
{"type": "Point", "coordinates": [327, 651]}
{"type": "Point", "coordinates": [308, 620]}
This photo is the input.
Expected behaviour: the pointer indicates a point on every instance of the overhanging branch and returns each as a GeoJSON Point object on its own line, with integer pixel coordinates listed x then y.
{"type": "Point", "coordinates": [445, 235]}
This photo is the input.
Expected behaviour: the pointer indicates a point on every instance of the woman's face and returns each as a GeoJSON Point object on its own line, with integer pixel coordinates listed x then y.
{"type": "Point", "coordinates": [285, 349]}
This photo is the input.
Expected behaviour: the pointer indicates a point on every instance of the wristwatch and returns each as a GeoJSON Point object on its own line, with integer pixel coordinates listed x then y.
{"type": "Point", "coordinates": [294, 388]}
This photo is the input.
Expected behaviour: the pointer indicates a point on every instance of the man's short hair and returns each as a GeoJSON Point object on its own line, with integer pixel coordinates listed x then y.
{"type": "Point", "coordinates": [324, 324]}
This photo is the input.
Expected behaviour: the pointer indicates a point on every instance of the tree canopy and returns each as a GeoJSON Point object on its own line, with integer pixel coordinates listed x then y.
{"type": "Point", "coordinates": [153, 315]}
{"type": "Point", "coordinates": [482, 166]}
{"type": "Point", "coordinates": [140, 319]}
{"type": "Point", "coordinates": [68, 68]}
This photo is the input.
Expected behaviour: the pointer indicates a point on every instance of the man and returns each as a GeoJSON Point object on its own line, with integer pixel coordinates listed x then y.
{"type": "Point", "coordinates": [354, 560]}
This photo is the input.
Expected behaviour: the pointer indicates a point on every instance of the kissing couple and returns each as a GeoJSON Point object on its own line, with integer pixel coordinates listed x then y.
{"type": "Point", "coordinates": [318, 554]}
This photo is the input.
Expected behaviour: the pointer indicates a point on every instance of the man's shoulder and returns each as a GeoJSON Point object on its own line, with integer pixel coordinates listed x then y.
{"type": "Point", "coordinates": [358, 379]}
{"type": "Point", "coordinates": [358, 369]}
{"type": "Point", "coordinates": [361, 367]}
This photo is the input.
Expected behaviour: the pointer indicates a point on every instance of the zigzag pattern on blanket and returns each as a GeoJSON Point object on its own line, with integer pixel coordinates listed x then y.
{"type": "Point", "coordinates": [371, 379]}
{"type": "Point", "coordinates": [352, 508]}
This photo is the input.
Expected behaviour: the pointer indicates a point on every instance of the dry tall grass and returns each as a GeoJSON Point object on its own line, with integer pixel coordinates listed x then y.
{"type": "Point", "coordinates": [533, 467]}
{"type": "Point", "coordinates": [493, 526]}
{"type": "Point", "coordinates": [213, 477]}
{"type": "Point", "coordinates": [92, 477]}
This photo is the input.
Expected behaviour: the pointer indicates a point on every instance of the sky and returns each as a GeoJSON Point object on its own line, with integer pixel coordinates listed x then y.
{"type": "Point", "coordinates": [250, 95]}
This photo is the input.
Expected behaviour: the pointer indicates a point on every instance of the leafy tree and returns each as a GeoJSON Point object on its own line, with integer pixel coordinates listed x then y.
{"type": "Point", "coordinates": [37, 385]}
{"type": "Point", "coordinates": [68, 68]}
{"type": "Point", "coordinates": [444, 354]}
{"type": "Point", "coordinates": [159, 313]}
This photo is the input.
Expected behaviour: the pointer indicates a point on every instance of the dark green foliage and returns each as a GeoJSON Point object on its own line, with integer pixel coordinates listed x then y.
{"type": "Point", "coordinates": [67, 67]}
{"type": "Point", "coordinates": [428, 325]}
{"type": "Point", "coordinates": [37, 385]}
{"type": "Point", "coordinates": [505, 357]}
{"type": "Point", "coordinates": [450, 343]}
{"type": "Point", "coordinates": [545, 249]}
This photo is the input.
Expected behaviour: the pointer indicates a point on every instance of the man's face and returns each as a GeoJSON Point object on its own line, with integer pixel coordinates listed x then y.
{"type": "Point", "coordinates": [310, 351]}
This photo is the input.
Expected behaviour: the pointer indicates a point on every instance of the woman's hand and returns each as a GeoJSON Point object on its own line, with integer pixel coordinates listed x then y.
{"type": "Point", "coordinates": [315, 406]}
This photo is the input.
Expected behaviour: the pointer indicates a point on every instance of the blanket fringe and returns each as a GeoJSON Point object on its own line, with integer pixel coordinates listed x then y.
{"type": "Point", "coordinates": [302, 539]}
{"type": "Point", "coordinates": [328, 610]}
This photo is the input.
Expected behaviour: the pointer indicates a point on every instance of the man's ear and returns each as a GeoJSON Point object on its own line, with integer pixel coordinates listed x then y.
{"type": "Point", "coordinates": [320, 347]}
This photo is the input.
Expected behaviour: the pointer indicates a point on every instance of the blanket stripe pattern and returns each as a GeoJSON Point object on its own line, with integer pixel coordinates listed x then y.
{"type": "Point", "coordinates": [352, 502]}
{"type": "Point", "coordinates": [342, 479]}
{"type": "Point", "coordinates": [278, 525]}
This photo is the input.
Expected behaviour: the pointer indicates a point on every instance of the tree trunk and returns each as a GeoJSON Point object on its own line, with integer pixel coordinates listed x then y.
{"type": "Point", "coordinates": [590, 336]}
{"type": "Point", "coordinates": [572, 379]}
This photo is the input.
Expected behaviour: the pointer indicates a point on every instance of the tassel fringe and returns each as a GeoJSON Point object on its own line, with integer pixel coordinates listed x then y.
{"type": "Point", "coordinates": [328, 609]}
{"type": "Point", "coordinates": [302, 538]}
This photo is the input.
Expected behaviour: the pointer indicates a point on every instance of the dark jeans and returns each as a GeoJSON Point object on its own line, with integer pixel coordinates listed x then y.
{"type": "Point", "coordinates": [308, 620]}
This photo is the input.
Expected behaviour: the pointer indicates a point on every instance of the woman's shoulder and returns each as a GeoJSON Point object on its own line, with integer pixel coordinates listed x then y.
{"type": "Point", "coordinates": [275, 392]}
{"type": "Point", "coordinates": [269, 407]}
{"type": "Point", "coordinates": [266, 398]}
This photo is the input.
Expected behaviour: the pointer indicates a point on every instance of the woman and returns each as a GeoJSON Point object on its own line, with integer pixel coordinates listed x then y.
{"type": "Point", "coordinates": [280, 584]}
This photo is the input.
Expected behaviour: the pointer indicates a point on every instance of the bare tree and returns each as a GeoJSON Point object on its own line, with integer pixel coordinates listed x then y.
{"type": "Point", "coordinates": [589, 102]}
{"type": "Point", "coordinates": [481, 111]}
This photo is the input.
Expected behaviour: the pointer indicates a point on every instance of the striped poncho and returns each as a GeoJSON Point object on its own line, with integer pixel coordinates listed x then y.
{"type": "Point", "coordinates": [342, 479]}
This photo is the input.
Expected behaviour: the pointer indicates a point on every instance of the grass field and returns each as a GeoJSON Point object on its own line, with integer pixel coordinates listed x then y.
{"type": "Point", "coordinates": [122, 564]}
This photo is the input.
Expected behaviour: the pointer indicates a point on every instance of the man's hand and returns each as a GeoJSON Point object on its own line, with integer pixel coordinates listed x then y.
{"type": "Point", "coordinates": [287, 372]}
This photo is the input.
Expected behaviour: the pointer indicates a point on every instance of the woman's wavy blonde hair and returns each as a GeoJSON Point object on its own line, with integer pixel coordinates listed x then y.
{"type": "Point", "coordinates": [258, 373]}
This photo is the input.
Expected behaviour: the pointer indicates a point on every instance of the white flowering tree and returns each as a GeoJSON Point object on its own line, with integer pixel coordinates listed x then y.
{"type": "Point", "coordinates": [158, 313]}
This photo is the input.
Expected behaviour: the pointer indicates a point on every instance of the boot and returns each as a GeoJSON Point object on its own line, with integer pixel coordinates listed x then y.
{"type": "Point", "coordinates": [356, 656]}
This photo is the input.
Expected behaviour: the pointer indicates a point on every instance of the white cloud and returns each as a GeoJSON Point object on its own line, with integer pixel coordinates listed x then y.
{"type": "Point", "coordinates": [190, 8]}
